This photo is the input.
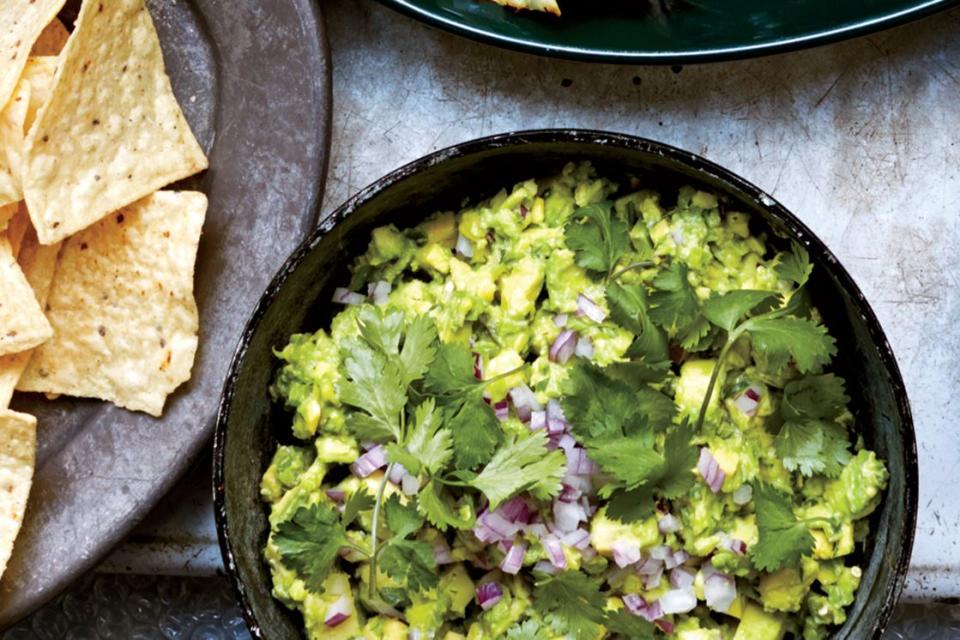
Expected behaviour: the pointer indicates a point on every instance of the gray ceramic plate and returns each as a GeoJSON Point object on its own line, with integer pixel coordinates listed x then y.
{"type": "Point", "coordinates": [253, 78]}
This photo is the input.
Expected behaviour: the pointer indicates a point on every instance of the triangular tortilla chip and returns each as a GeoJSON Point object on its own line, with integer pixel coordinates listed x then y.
{"type": "Point", "coordinates": [22, 323]}
{"type": "Point", "coordinates": [51, 40]}
{"type": "Point", "coordinates": [18, 448]}
{"type": "Point", "coordinates": [39, 263]}
{"type": "Point", "coordinates": [17, 228]}
{"type": "Point", "coordinates": [39, 73]}
{"type": "Point", "coordinates": [112, 131]}
{"type": "Point", "coordinates": [11, 144]}
{"type": "Point", "coordinates": [7, 212]}
{"type": "Point", "coordinates": [21, 22]}
{"type": "Point", "coordinates": [122, 308]}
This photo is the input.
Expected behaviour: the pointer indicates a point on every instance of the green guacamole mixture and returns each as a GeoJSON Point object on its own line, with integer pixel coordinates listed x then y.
{"type": "Point", "coordinates": [575, 410]}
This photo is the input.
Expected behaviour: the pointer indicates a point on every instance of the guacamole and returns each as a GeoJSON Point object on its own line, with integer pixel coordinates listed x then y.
{"type": "Point", "coordinates": [577, 409]}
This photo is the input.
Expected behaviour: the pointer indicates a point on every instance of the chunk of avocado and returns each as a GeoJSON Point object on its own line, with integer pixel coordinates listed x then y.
{"type": "Point", "coordinates": [521, 287]}
{"type": "Point", "coordinates": [757, 624]}
{"type": "Point", "coordinates": [441, 229]}
{"type": "Point", "coordinates": [456, 583]}
{"type": "Point", "coordinates": [692, 386]}
{"type": "Point", "coordinates": [783, 590]}
{"type": "Point", "coordinates": [387, 244]}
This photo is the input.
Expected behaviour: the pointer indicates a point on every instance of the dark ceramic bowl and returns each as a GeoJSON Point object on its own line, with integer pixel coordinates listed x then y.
{"type": "Point", "coordinates": [297, 300]}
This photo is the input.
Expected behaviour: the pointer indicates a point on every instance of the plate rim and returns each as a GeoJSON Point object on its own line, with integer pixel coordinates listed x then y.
{"type": "Point", "coordinates": [922, 9]}
{"type": "Point", "coordinates": [878, 337]}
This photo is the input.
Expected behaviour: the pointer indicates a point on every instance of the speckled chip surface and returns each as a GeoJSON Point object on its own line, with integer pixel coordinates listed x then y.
{"type": "Point", "coordinates": [12, 119]}
{"type": "Point", "coordinates": [18, 440]}
{"type": "Point", "coordinates": [112, 131]}
{"type": "Point", "coordinates": [21, 23]}
{"type": "Point", "coordinates": [22, 323]}
{"type": "Point", "coordinates": [122, 308]}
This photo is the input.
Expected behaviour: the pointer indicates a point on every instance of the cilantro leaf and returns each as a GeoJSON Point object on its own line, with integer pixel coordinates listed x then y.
{"type": "Point", "coordinates": [822, 396]}
{"type": "Point", "coordinates": [402, 520]}
{"type": "Point", "coordinates": [836, 449]}
{"type": "Point", "coordinates": [598, 238]}
{"type": "Point", "coordinates": [628, 625]}
{"type": "Point", "coordinates": [310, 541]}
{"type": "Point", "coordinates": [360, 500]}
{"type": "Point", "coordinates": [451, 372]}
{"type": "Point", "coordinates": [381, 328]}
{"type": "Point", "coordinates": [595, 404]}
{"type": "Point", "coordinates": [795, 266]}
{"type": "Point", "coordinates": [439, 509]}
{"type": "Point", "coordinates": [650, 357]}
{"type": "Point", "coordinates": [813, 446]}
{"type": "Point", "coordinates": [419, 348]}
{"type": "Point", "coordinates": [783, 339]}
{"type": "Point", "coordinates": [632, 461]}
{"type": "Point", "coordinates": [680, 458]}
{"type": "Point", "coordinates": [696, 335]}
{"type": "Point", "coordinates": [522, 465]}
{"type": "Point", "coordinates": [528, 630]}
{"type": "Point", "coordinates": [410, 562]}
{"type": "Point", "coordinates": [373, 384]}
{"type": "Point", "coordinates": [728, 309]}
{"type": "Point", "coordinates": [673, 304]}
{"type": "Point", "coordinates": [575, 600]}
{"type": "Point", "coordinates": [631, 505]}
{"type": "Point", "coordinates": [476, 433]}
{"type": "Point", "coordinates": [782, 539]}
{"type": "Point", "coordinates": [428, 446]}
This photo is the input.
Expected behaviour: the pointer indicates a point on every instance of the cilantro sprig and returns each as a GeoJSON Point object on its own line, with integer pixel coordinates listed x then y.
{"type": "Point", "coordinates": [576, 604]}
{"type": "Point", "coordinates": [782, 537]}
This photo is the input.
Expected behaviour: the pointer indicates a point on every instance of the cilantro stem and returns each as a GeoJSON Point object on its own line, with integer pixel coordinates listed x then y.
{"type": "Point", "coordinates": [715, 375]}
{"type": "Point", "coordinates": [645, 264]}
{"type": "Point", "coordinates": [373, 532]}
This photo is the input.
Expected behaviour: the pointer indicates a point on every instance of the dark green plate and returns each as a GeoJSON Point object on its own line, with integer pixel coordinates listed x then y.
{"type": "Point", "coordinates": [668, 31]}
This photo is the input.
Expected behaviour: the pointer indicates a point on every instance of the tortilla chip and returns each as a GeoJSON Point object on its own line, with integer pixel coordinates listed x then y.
{"type": "Point", "coordinates": [18, 447]}
{"type": "Point", "coordinates": [51, 40]}
{"type": "Point", "coordinates": [39, 262]}
{"type": "Point", "coordinates": [22, 323]}
{"type": "Point", "coordinates": [21, 22]}
{"type": "Point", "coordinates": [7, 212]}
{"type": "Point", "coordinates": [11, 144]}
{"type": "Point", "coordinates": [39, 73]}
{"type": "Point", "coordinates": [121, 305]}
{"type": "Point", "coordinates": [17, 229]}
{"type": "Point", "coordinates": [112, 131]}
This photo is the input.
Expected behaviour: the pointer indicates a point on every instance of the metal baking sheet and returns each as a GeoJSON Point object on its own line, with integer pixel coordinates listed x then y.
{"type": "Point", "coordinates": [253, 79]}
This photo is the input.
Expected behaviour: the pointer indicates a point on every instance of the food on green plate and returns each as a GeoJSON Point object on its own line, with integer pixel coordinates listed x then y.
{"type": "Point", "coordinates": [547, 6]}
{"type": "Point", "coordinates": [570, 411]}
{"type": "Point", "coordinates": [18, 434]}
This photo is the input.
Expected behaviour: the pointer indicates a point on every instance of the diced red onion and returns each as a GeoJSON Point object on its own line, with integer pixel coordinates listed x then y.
{"type": "Point", "coordinates": [743, 495]}
{"type": "Point", "coordinates": [678, 601]}
{"type": "Point", "coordinates": [676, 559]}
{"type": "Point", "coordinates": [441, 552]}
{"type": "Point", "coordinates": [579, 463]}
{"type": "Point", "coordinates": [538, 420]}
{"type": "Point", "coordinates": [652, 581]}
{"type": "Point", "coordinates": [525, 401]}
{"type": "Point", "coordinates": [338, 611]}
{"type": "Point", "coordinates": [380, 292]}
{"type": "Point", "coordinates": [554, 549]}
{"type": "Point", "coordinates": [668, 524]}
{"type": "Point", "coordinates": [748, 401]}
{"type": "Point", "coordinates": [589, 308]}
{"type": "Point", "coordinates": [567, 516]}
{"type": "Point", "coordinates": [579, 539]}
{"type": "Point", "coordinates": [661, 552]}
{"type": "Point", "coordinates": [563, 347]}
{"type": "Point", "coordinates": [584, 348]}
{"type": "Point", "coordinates": [720, 590]}
{"type": "Point", "coordinates": [626, 551]}
{"type": "Point", "coordinates": [345, 296]}
{"type": "Point", "coordinates": [478, 366]}
{"type": "Point", "coordinates": [513, 561]}
{"type": "Point", "coordinates": [464, 246]}
{"type": "Point", "coordinates": [410, 485]}
{"type": "Point", "coordinates": [556, 426]}
{"type": "Point", "coordinates": [560, 320]}
{"type": "Point", "coordinates": [545, 566]}
{"type": "Point", "coordinates": [681, 578]}
{"type": "Point", "coordinates": [567, 443]}
{"type": "Point", "coordinates": [337, 495]}
{"type": "Point", "coordinates": [733, 545]}
{"type": "Point", "coordinates": [677, 235]}
{"type": "Point", "coordinates": [397, 471]}
{"type": "Point", "coordinates": [581, 483]}
{"type": "Point", "coordinates": [488, 595]}
{"type": "Point", "coordinates": [369, 462]}
{"type": "Point", "coordinates": [502, 410]}
{"type": "Point", "coordinates": [515, 510]}
{"type": "Point", "coordinates": [636, 605]}
{"type": "Point", "coordinates": [568, 493]}
{"type": "Point", "coordinates": [415, 634]}
{"type": "Point", "coordinates": [493, 527]}
{"type": "Point", "coordinates": [650, 566]}
{"type": "Point", "coordinates": [710, 470]}
{"type": "Point", "coordinates": [537, 529]}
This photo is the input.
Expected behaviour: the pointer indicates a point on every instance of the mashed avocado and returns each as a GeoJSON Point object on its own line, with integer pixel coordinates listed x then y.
{"type": "Point", "coordinates": [505, 431]}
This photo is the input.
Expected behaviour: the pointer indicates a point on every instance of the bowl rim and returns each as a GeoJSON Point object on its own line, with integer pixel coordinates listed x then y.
{"type": "Point", "coordinates": [863, 27]}
{"type": "Point", "coordinates": [586, 137]}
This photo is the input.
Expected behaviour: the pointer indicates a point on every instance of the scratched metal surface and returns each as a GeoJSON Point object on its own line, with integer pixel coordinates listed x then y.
{"type": "Point", "coordinates": [860, 139]}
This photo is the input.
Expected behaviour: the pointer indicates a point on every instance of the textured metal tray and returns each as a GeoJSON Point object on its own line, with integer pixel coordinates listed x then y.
{"type": "Point", "coordinates": [253, 78]}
